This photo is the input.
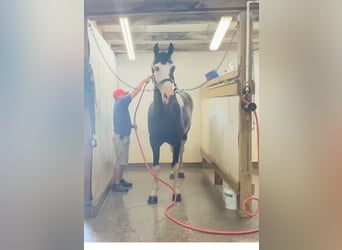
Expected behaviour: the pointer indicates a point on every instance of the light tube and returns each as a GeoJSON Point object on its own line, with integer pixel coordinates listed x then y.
{"type": "Point", "coordinates": [220, 32]}
{"type": "Point", "coordinates": [127, 36]}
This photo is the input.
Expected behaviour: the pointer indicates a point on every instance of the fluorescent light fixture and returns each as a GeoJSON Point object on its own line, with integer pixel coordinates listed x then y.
{"type": "Point", "coordinates": [220, 32]}
{"type": "Point", "coordinates": [127, 36]}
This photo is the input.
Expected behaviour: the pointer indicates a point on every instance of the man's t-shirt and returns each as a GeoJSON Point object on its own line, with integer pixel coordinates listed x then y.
{"type": "Point", "coordinates": [121, 116]}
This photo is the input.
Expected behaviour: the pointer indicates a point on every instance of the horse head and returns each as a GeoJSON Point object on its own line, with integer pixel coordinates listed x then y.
{"type": "Point", "coordinates": [163, 70]}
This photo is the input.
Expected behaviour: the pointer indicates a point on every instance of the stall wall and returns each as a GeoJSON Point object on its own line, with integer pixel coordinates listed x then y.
{"type": "Point", "coordinates": [190, 72]}
{"type": "Point", "coordinates": [220, 127]}
{"type": "Point", "coordinates": [103, 153]}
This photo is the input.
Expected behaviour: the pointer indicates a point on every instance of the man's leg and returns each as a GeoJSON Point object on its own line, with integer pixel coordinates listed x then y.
{"type": "Point", "coordinates": [124, 162]}
{"type": "Point", "coordinates": [119, 153]}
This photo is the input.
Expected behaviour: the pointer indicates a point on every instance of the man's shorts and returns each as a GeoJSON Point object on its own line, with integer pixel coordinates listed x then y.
{"type": "Point", "coordinates": [121, 147]}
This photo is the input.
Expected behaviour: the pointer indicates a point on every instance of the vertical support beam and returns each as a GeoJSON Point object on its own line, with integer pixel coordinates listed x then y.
{"type": "Point", "coordinates": [250, 55]}
{"type": "Point", "coordinates": [88, 204]}
{"type": "Point", "coordinates": [245, 125]}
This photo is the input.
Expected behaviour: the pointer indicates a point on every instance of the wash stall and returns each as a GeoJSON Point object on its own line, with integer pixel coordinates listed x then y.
{"type": "Point", "coordinates": [215, 136]}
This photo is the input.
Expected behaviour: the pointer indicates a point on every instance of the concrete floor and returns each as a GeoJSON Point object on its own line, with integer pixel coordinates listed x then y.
{"type": "Point", "coordinates": [126, 217]}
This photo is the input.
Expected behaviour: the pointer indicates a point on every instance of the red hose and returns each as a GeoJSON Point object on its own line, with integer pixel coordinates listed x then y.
{"type": "Point", "coordinates": [166, 211]}
{"type": "Point", "coordinates": [257, 130]}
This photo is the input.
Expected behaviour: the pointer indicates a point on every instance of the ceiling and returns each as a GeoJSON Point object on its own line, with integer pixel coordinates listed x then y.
{"type": "Point", "coordinates": [188, 24]}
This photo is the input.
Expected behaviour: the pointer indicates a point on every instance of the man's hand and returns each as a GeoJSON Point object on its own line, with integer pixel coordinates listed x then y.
{"type": "Point", "coordinates": [140, 86]}
{"type": "Point", "coordinates": [147, 79]}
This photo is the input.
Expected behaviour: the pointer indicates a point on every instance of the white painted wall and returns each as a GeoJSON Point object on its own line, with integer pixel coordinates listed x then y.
{"type": "Point", "coordinates": [105, 82]}
{"type": "Point", "coordinates": [190, 72]}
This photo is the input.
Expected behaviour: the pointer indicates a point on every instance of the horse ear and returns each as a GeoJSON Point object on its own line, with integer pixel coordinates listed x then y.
{"type": "Point", "coordinates": [170, 50]}
{"type": "Point", "coordinates": [156, 49]}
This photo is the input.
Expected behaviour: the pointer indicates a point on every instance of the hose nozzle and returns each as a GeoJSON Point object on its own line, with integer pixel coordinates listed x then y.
{"type": "Point", "coordinates": [250, 107]}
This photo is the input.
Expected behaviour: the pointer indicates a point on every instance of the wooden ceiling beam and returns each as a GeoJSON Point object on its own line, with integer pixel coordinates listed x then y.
{"type": "Point", "coordinates": [133, 7]}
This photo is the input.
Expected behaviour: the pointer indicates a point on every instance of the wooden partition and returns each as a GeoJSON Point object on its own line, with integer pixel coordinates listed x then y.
{"type": "Point", "coordinates": [220, 127]}
{"type": "Point", "coordinates": [227, 127]}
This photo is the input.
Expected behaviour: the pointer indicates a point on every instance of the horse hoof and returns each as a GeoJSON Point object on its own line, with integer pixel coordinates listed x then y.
{"type": "Point", "coordinates": [178, 197]}
{"type": "Point", "coordinates": [181, 175]}
{"type": "Point", "coordinates": [152, 200]}
{"type": "Point", "coordinates": [172, 176]}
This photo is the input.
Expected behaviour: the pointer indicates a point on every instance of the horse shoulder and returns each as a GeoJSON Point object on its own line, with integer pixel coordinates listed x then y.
{"type": "Point", "coordinates": [180, 100]}
{"type": "Point", "coordinates": [184, 99]}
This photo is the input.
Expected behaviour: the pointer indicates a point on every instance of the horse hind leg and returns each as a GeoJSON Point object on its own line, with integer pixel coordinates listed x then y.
{"type": "Point", "coordinates": [181, 172]}
{"type": "Point", "coordinates": [172, 174]}
{"type": "Point", "coordinates": [153, 198]}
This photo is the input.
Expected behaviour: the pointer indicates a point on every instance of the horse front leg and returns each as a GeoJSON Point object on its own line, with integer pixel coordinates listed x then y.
{"type": "Point", "coordinates": [153, 197]}
{"type": "Point", "coordinates": [175, 168]}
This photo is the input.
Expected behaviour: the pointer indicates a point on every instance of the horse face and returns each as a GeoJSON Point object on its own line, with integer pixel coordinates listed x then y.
{"type": "Point", "coordinates": [166, 91]}
{"type": "Point", "coordinates": [163, 70]}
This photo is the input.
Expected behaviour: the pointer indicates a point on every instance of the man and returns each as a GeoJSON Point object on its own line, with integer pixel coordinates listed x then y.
{"type": "Point", "coordinates": [122, 130]}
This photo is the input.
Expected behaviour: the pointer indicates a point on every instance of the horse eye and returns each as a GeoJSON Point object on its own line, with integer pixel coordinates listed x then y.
{"type": "Point", "coordinates": [156, 68]}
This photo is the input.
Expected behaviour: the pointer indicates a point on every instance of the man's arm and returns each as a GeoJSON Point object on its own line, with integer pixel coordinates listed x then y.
{"type": "Point", "coordinates": [140, 86]}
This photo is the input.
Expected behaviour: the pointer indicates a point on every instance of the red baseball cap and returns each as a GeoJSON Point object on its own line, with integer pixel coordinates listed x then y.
{"type": "Point", "coordinates": [118, 92]}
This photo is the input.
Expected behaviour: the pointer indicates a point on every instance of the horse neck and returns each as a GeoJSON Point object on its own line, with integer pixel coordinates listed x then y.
{"type": "Point", "coordinates": [157, 96]}
{"type": "Point", "coordinates": [157, 100]}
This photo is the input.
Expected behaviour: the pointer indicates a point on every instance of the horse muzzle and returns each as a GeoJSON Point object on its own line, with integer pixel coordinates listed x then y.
{"type": "Point", "coordinates": [165, 98]}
